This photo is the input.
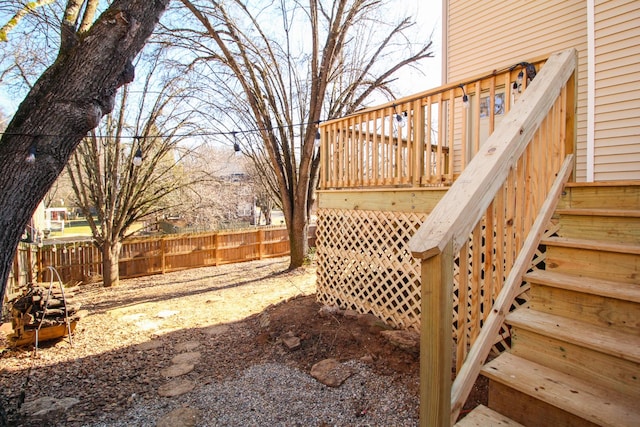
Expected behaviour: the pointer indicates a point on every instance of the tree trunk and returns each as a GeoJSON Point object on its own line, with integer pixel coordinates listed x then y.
{"type": "Point", "coordinates": [111, 263]}
{"type": "Point", "coordinates": [298, 236]}
{"type": "Point", "coordinates": [67, 101]}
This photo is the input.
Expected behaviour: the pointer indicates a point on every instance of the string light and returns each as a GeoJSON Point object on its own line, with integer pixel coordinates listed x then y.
{"type": "Point", "coordinates": [31, 157]}
{"type": "Point", "coordinates": [236, 146]}
{"type": "Point", "coordinates": [465, 97]}
{"type": "Point", "coordinates": [137, 159]}
{"type": "Point", "coordinates": [401, 119]}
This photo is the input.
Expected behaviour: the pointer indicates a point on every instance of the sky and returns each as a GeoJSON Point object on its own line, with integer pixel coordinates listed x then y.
{"type": "Point", "coordinates": [427, 14]}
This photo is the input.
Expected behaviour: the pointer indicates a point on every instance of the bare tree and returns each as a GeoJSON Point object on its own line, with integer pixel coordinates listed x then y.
{"type": "Point", "coordinates": [347, 53]}
{"type": "Point", "coordinates": [122, 179]}
{"type": "Point", "coordinates": [68, 100]}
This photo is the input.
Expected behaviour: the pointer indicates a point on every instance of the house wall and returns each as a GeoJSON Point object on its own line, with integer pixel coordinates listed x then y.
{"type": "Point", "coordinates": [617, 90]}
{"type": "Point", "coordinates": [481, 35]}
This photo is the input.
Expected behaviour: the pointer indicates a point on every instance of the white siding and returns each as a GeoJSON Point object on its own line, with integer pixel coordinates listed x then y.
{"type": "Point", "coordinates": [617, 90]}
{"type": "Point", "coordinates": [484, 35]}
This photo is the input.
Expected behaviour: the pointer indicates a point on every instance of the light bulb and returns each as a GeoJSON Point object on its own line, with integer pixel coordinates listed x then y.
{"type": "Point", "coordinates": [137, 159]}
{"type": "Point", "coordinates": [465, 101]}
{"type": "Point", "coordinates": [401, 119]}
{"type": "Point", "coordinates": [31, 157]}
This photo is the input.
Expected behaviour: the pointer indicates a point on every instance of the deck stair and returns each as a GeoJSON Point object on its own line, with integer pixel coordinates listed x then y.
{"type": "Point", "coordinates": [575, 351]}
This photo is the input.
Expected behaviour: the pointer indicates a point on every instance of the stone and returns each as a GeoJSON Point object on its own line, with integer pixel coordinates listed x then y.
{"type": "Point", "coordinates": [328, 310]}
{"type": "Point", "coordinates": [149, 345]}
{"type": "Point", "coordinates": [367, 358]}
{"type": "Point", "coordinates": [291, 341]}
{"type": "Point", "coordinates": [181, 417]}
{"type": "Point", "coordinates": [265, 320]}
{"type": "Point", "coordinates": [187, 346]}
{"type": "Point", "coordinates": [176, 387]}
{"type": "Point", "coordinates": [406, 340]}
{"type": "Point", "coordinates": [47, 406]}
{"type": "Point", "coordinates": [350, 314]}
{"type": "Point", "coordinates": [372, 322]}
{"type": "Point", "coordinates": [190, 357]}
{"type": "Point", "coordinates": [177, 370]}
{"type": "Point", "coordinates": [330, 372]}
{"type": "Point", "coordinates": [216, 330]}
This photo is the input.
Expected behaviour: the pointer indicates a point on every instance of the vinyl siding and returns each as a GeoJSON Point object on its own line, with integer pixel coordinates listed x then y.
{"type": "Point", "coordinates": [491, 34]}
{"type": "Point", "coordinates": [617, 90]}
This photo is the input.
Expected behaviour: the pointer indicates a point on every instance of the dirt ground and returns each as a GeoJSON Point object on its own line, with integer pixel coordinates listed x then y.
{"type": "Point", "coordinates": [241, 311]}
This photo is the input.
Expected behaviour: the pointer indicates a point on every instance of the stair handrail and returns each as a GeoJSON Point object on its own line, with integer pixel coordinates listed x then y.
{"type": "Point", "coordinates": [449, 225]}
{"type": "Point", "coordinates": [480, 349]}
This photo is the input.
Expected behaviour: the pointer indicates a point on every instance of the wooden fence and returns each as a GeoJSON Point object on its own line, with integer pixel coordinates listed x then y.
{"type": "Point", "coordinates": [82, 262]}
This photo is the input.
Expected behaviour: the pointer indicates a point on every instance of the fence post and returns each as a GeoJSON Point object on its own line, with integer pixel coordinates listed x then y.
{"type": "Point", "coordinates": [162, 254]}
{"type": "Point", "coordinates": [436, 339]}
{"type": "Point", "coordinates": [260, 243]}
{"type": "Point", "coordinates": [216, 252]}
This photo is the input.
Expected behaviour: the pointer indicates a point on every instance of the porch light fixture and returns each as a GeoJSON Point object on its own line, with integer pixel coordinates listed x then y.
{"type": "Point", "coordinates": [31, 157]}
{"type": "Point", "coordinates": [465, 98]}
{"type": "Point", "coordinates": [316, 141]}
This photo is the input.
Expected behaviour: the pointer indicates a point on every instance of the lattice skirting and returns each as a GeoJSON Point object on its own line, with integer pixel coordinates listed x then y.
{"type": "Point", "coordinates": [364, 264]}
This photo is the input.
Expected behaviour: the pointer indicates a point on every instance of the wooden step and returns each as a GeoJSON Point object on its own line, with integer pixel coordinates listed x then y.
{"type": "Point", "coordinates": [601, 355]}
{"type": "Point", "coordinates": [580, 333]}
{"type": "Point", "coordinates": [613, 225]}
{"type": "Point", "coordinates": [481, 416]}
{"type": "Point", "coordinates": [597, 301]}
{"type": "Point", "coordinates": [532, 394]}
{"type": "Point", "coordinates": [604, 260]}
{"type": "Point", "coordinates": [611, 195]}
{"type": "Point", "coordinates": [632, 213]}
{"type": "Point", "coordinates": [622, 248]}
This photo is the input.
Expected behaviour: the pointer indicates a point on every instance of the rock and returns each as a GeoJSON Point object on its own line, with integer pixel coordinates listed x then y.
{"type": "Point", "coordinates": [330, 372]}
{"type": "Point", "coordinates": [190, 357]}
{"type": "Point", "coordinates": [177, 370]}
{"type": "Point", "coordinates": [265, 320]}
{"type": "Point", "coordinates": [350, 314]}
{"type": "Point", "coordinates": [182, 417]}
{"type": "Point", "coordinates": [216, 330]}
{"type": "Point", "coordinates": [149, 345]}
{"type": "Point", "coordinates": [372, 322]}
{"type": "Point", "coordinates": [187, 346]}
{"type": "Point", "coordinates": [367, 358]}
{"type": "Point", "coordinates": [406, 340]}
{"type": "Point", "coordinates": [176, 387]}
{"type": "Point", "coordinates": [47, 407]}
{"type": "Point", "coordinates": [291, 341]}
{"type": "Point", "coordinates": [328, 310]}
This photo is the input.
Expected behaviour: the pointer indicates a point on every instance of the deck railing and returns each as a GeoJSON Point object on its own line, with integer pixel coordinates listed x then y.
{"type": "Point", "coordinates": [410, 142]}
{"type": "Point", "coordinates": [484, 230]}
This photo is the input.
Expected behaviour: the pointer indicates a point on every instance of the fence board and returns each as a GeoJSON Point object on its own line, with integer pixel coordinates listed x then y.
{"type": "Point", "coordinates": [82, 261]}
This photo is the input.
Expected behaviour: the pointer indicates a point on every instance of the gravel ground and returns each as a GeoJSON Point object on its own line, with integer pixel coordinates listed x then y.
{"type": "Point", "coordinates": [230, 319]}
{"type": "Point", "coordinates": [276, 395]}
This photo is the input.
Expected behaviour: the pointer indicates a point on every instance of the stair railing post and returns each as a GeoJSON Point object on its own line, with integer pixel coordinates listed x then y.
{"type": "Point", "coordinates": [436, 339]}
